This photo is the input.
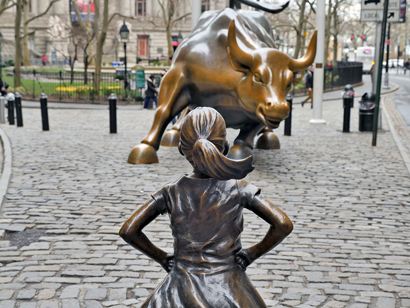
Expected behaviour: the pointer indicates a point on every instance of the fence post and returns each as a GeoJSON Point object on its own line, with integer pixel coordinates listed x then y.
{"type": "Point", "coordinates": [288, 121]}
{"type": "Point", "coordinates": [2, 111]}
{"type": "Point", "coordinates": [19, 112]}
{"type": "Point", "coordinates": [44, 111]}
{"type": "Point", "coordinates": [34, 84]}
{"type": "Point", "coordinates": [112, 100]}
{"type": "Point", "coordinates": [10, 106]}
{"type": "Point", "coordinates": [60, 73]}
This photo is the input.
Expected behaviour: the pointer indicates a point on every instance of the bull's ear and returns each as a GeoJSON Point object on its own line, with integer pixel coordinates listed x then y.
{"type": "Point", "coordinates": [240, 60]}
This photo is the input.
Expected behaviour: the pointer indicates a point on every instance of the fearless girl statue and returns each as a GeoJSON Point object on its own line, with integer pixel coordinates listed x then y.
{"type": "Point", "coordinates": [207, 268]}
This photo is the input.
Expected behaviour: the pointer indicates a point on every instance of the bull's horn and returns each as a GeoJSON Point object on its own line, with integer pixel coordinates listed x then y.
{"type": "Point", "coordinates": [297, 65]}
{"type": "Point", "coordinates": [240, 59]}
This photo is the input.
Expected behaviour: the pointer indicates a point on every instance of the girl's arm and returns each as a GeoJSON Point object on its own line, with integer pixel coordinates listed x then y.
{"type": "Point", "coordinates": [132, 233]}
{"type": "Point", "coordinates": [280, 227]}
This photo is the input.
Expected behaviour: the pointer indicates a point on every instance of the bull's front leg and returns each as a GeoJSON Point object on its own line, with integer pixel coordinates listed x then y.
{"type": "Point", "coordinates": [170, 102]}
{"type": "Point", "coordinates": [171, 137]}
{"type": "Point", "coordinates": [243, 145]}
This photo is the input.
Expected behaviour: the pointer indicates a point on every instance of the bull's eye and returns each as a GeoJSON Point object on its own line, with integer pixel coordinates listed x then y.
{"type": "Point", "coordinates": [257, 78]}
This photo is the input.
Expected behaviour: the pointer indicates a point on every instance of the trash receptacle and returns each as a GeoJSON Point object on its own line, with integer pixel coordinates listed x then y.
{"type": "Point", "coordinates": [366, 112]}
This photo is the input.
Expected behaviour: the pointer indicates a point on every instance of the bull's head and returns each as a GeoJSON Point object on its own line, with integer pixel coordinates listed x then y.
{"type": "Point", "coordinates": [268, 75]}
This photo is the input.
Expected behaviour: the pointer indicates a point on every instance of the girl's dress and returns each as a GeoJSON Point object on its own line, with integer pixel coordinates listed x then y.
{"type": "Point", "coordinates": [206, 222]}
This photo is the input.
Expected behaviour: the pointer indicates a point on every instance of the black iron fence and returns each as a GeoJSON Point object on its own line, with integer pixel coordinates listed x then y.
{"type": "Point", "coordinates": [83, 87]}
{"type": "Point", "coordinates": [74, 86]}
{"type": "Point", "coordinates": [336, 77]}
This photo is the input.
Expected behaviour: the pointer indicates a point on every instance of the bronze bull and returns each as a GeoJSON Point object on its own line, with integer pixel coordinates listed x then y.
{"type": "Point", "coordinates": [228, 62]}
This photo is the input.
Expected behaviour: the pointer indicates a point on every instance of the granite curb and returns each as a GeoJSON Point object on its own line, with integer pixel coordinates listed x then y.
{"type": "Point", "coordinates": [7, 163]}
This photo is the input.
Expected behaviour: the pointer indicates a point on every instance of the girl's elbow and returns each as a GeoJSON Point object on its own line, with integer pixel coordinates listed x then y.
{"type": "Point", "coordinates": [286, 226]}
{"type": "Point", "coordinates": [125, 233]}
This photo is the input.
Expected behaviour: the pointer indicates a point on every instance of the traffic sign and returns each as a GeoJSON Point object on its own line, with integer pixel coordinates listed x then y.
{"type": "Point", "coordinates": [377, 15]}
{"type": "Point", "coordinates": [379, 4]}
{"type": "Point", "coordinates": [372, 10]}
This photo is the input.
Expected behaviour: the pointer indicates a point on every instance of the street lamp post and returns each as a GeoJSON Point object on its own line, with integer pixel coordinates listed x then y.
{"type": "Point", "coordinates": [124, 33]}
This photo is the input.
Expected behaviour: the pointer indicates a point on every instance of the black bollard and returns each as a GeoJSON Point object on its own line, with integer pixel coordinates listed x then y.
{"type": "Point", "coordinates": [288, 121]}
{"type": "Point", "coordinates": [10, 107]}
{"type": "Point", "coordinates": [19, 112]}
{"type": "Point", "coordinates": [348, 100]}
{"type": "Point", "coordinates": [44, 111]}
{"type": "Point", "coordinates": [112, 100]}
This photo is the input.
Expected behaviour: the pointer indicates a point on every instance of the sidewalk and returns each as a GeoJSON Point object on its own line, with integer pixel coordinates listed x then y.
{"type": "Point", "coordinates": [71, 189]}
{"type": "Point", "coordinates": [359, 91]}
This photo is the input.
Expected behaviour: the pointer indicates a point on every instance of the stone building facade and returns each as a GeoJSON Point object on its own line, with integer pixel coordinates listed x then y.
{"type": "Point", "coordinates": [145, 21]}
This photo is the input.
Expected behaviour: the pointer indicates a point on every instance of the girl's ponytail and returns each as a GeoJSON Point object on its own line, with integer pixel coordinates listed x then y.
{"type": "Point", "coordinates": [202, 141]}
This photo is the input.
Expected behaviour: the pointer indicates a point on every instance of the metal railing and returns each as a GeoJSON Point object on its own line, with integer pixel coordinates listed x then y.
{"type": "Point", "coordinates": [75, 87]}
{"type": "Point", "coordinates": [336, 77]}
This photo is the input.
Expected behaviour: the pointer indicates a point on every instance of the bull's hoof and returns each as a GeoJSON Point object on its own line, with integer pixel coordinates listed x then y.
{"type": "Point", "coordinates": [268, 141]}
{"type": "Point", "coordinates": [143, 154]}
{"type": "Point", "coordinates": [170, 138]}
{"type": "Point", "coordinates": [239, 152]}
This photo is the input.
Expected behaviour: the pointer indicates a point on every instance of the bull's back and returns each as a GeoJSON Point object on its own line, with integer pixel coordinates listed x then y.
{"type": "Point", "coordinates": [206, 46]}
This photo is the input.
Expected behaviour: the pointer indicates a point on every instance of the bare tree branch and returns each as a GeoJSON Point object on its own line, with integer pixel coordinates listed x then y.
{"type": "Point", "coordinates": [42, 14]}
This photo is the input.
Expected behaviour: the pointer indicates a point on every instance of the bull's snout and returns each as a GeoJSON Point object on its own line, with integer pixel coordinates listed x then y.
{"type": "Point", "coordinates": [273, 112]}
{"type": "Point", "coordinates": [278, 109]}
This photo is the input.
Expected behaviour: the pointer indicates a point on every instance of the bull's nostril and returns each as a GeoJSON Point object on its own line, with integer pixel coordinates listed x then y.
{"type": "Point", "coordinates": [270, 104]}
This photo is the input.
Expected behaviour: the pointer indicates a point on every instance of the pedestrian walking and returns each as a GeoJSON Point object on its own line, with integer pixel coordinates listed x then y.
{"type": "Point", "coordinates": [207, 268]}
{"type": "Point", "coordinates": [308, 80]}
{"type": "Point", "coordinates": [150, 93]}
{"type": "Point", "coordinates": [44, 60]}
{"type": "Point", "coordinates": [3, 87]}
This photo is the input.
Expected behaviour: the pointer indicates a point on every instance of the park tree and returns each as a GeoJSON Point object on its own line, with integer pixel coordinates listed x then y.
{"type": "Point", "coordinates": [5, 5]}
{"type": "Point", "coordinates": [96, 31]}
{"type": "Point", "coordinates": [169, 13]}
{"type": "Point", "coordinates": [21, 8]}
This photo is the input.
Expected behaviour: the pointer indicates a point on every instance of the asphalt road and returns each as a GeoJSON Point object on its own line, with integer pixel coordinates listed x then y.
{"type": "Point", "coordinates": [402, 97]}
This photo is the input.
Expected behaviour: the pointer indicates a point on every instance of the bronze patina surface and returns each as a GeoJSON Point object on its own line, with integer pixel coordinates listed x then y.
{"type": "Point", "coordinates": [228, 62]}
{"type": "Point", "coordinates": [207, 267]}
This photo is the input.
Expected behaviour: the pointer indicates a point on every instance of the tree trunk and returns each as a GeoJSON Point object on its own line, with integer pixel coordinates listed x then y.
{"type": "Point", "coordinates": [26, 51]}
{"type": "Point", "coordinates": [327, 29]}
{"type": "Point", "coordinates": [100, 44]}
{"type": "Point", "coordinates": [85, 69]}
{"type": "Point", "coordinates": [17, 39]}
{"type": "Point", "coordinates": [72, 70]}
{"type": "Point", "coordinates": [299, 29]}
{"type": "Point", "coordinates": [169, 41]}
{"type": "Point", "coordinates": [335, 42]}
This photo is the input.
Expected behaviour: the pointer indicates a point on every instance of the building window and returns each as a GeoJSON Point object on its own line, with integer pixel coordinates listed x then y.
{"type": "Point", "coordinates": [143, 46]}
{"type": "Point", "coordinates": [140, 7]}
{"type": "Point", "coordinates": [205, 5]}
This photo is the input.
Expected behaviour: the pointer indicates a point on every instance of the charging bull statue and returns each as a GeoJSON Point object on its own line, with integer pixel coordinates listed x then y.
{"type": "Point", "coordinates": [228, 62]}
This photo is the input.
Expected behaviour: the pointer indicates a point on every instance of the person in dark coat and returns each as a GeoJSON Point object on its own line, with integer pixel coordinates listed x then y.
{"type": "Point", "coordinates": [150, 92]}
{"type": "Point", "coordinates": [3, 87]}
{"type": "Point", "coordinates": [207, 267]}
{"type": "Point", "coordinates": [309, 86]}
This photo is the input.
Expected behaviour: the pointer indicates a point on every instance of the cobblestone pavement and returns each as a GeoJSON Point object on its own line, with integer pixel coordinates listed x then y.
{"type": "Point", "coordinates": [71, 190]}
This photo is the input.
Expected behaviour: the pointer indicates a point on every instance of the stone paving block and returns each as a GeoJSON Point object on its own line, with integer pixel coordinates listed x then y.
{"type": "Point", "coordinates": [70, 303]}
{"type": "Point", "coordinates": [93, 304]}
{"type": "Point", "coordinates": [96, 294]}
{"type": "Point", "coordinates": [28, 305]}
{"type": "Point", "coordinates": [7, 304]}
{"type": "Point", "coordinates": [26, 294]}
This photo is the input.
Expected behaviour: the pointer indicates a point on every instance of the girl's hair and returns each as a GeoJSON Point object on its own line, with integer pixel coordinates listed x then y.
{"type": "Point", "coordinates": [203, 141]}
